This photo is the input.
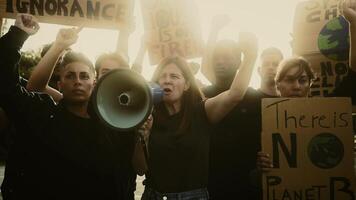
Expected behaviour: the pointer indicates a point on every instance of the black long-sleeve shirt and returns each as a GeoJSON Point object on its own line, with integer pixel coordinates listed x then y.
{"type": "Point", "coordinates": [56, 154]}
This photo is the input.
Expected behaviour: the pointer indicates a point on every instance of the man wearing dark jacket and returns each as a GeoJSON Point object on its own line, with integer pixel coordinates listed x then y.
{"type": "Point", "coordinates": [59, 152]}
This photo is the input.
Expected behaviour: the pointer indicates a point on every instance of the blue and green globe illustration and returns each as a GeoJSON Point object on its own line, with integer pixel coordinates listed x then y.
{"type": "Point", "coordinates": [325, 150]}
{"type": "Point", "coordinates": [333, 40]}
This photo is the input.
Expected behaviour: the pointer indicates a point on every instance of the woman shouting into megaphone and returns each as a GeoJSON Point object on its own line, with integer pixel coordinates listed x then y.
{"type": "Point", "coordinates": [178, 139]}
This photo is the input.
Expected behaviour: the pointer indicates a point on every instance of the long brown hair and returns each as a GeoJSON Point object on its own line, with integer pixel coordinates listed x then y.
{"type": "Point", "coordinates": [190, 98]}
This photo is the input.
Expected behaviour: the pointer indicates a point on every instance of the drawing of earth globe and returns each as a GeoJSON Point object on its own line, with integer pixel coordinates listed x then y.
{"type": "Point", "coordinates": [325, 150]}
{"type": "Point", "coordinates": [333, 40]}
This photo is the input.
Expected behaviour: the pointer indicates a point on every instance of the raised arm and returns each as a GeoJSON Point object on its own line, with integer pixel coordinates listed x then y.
{"type": "Point", "coordinates": [42, 73]}
{"type": "Point", "coordinates": [218, 23]}
{"type": "Point", "coordinates": [123, 40]}
{"type": "Point", "coordinates": [138, 62]}
{"type": "Point", "coordinates": [18, 104]}
{"type": "Point", "coordinates": [219, 106]}
{"type": "Point", "coordinates": [346, 86]}
{"type": "Point", "coordinates": [10, 45]}
{"type": "Point", "coordinates": [349, 12]}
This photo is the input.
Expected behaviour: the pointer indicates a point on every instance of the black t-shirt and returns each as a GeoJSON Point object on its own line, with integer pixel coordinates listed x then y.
{"type": "Point", "coordinates": [55, 154]}
{"type": "Point", "coordinates": [66, 157]}
{"type": "Point", "coordinates": [234, 144]}
{"type": "Point", "coordinates": [124, 143]}
{"type": "Point", "coordinates": [178, 161]}
{"type": "Point", "coordinates": [346, 87]}
{"type": "Point", "coordinates": [7, 131]}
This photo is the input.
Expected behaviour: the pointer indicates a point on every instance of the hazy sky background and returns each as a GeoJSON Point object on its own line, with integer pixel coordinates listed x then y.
{"type": "Point", "coordinates": [270, 20]}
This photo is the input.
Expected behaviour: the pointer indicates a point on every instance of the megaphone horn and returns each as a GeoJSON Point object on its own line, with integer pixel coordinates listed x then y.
{"type": "Point", "coordinates": [128, 98]}
{"type": "Point", "coordinates": [123, 100]}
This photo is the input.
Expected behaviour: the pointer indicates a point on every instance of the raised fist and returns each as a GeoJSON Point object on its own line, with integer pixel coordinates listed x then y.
{"type": "Point", "coordinates": [248, 44]}
{"type": "Point", "coordinates": [130, 27]}
{"type": "Point", "coordinates": [348, 10]}
{"type": "Point", "coordinates": [220, 21]}
{"type": "Point", "coordinates": [27, 23]}
{"type": "Point", "coordinates": [66, 37]}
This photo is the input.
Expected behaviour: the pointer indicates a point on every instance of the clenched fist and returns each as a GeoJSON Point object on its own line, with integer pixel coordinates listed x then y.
{"type": "Point", "coordinates": [27, 23]}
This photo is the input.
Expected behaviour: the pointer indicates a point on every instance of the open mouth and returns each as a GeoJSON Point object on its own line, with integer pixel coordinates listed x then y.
{"type": "Point", "coordinates": [167, 90]}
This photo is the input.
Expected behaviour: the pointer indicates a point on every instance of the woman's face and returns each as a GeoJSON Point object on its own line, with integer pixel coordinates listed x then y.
{"type": "Point", "coordinates": [291, 86]}
{"type": "Point", "coordinates": [77, 82]}
{"type": "Point", "coordinates": [173, 83]}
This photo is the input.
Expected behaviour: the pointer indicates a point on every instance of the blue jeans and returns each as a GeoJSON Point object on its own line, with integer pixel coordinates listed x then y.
{"type": "Point", "coordinates": [198, 194]}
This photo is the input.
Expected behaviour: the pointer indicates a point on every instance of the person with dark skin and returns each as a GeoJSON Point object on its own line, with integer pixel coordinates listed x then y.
{"type": "Point", "coordinates": [236, 139]}
{"type": "Point", "coordinates": [59, 151]}
{"type": "Point", "coordinates": [217, 24]}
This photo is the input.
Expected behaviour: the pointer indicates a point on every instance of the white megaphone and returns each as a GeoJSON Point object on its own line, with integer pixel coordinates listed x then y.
{"type": "Point", "coordinates": [123, 99]}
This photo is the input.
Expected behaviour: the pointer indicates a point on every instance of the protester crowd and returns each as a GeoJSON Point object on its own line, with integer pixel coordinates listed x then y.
{"type": "Point", "coordinates": [202, 142]}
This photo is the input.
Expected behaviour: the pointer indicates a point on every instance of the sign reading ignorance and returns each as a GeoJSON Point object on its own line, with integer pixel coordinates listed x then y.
{"type": "Point", "coordinates": [172, 28]}
{"type": "Point", "coordinates": [310, 142]}
{"type": "Point", "coordinates": [321, 36]}
{"type": "Point", "coordinates": [110, 14]}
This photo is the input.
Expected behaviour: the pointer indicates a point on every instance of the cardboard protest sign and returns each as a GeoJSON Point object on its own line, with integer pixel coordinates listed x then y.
{"type": "Point", "coordinates": [329, 74]}
{"type": "Point", "coordinates": [172, 28]}
{"type": "Point", "coordinates": [110, 14]}
{"type": "Point", "coordinates": [310, 18]}
{"type": "Point", "coordinates": [310, 142]}
{"type": "Point", "coordinates": [321, 35]}
{"type": "Point", "coordinates": [1, 28]}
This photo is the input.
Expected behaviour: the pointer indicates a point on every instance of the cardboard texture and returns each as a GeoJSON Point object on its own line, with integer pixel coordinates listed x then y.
{"type": "Point", "coordinates": [329, 74]}
{"type": "Point", "coordinates": [310, 142]}
{"type": "Point", "coordinates": [108, 14]}
{"type": "Point", "coordinates": [172, 28]}
{"type": "Point", "coordinates": [320, 35]}
{"type": "Point", "coordinates": [310, 17]}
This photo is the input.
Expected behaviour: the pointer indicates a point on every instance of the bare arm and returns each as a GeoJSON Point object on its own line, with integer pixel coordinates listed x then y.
{"type": "Point", "coordinates": [55, 94]}
{"type": "Point", "coordinates": [137, 65]}
{"type": "Point", "coordinates": [349, 12]}
{"type": "Point", "coordinates": [123, 40]}
{"type": "Point", "coordinates": [218, 23]}
{"type": "Point", "coordinates": [123, 43]}
{"type": "Point", "coordinates": [43, 71]}
{"type": "Point", "coordinates": [219, 106]}
{"type": "Point", "coordinates": [38, 81]}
